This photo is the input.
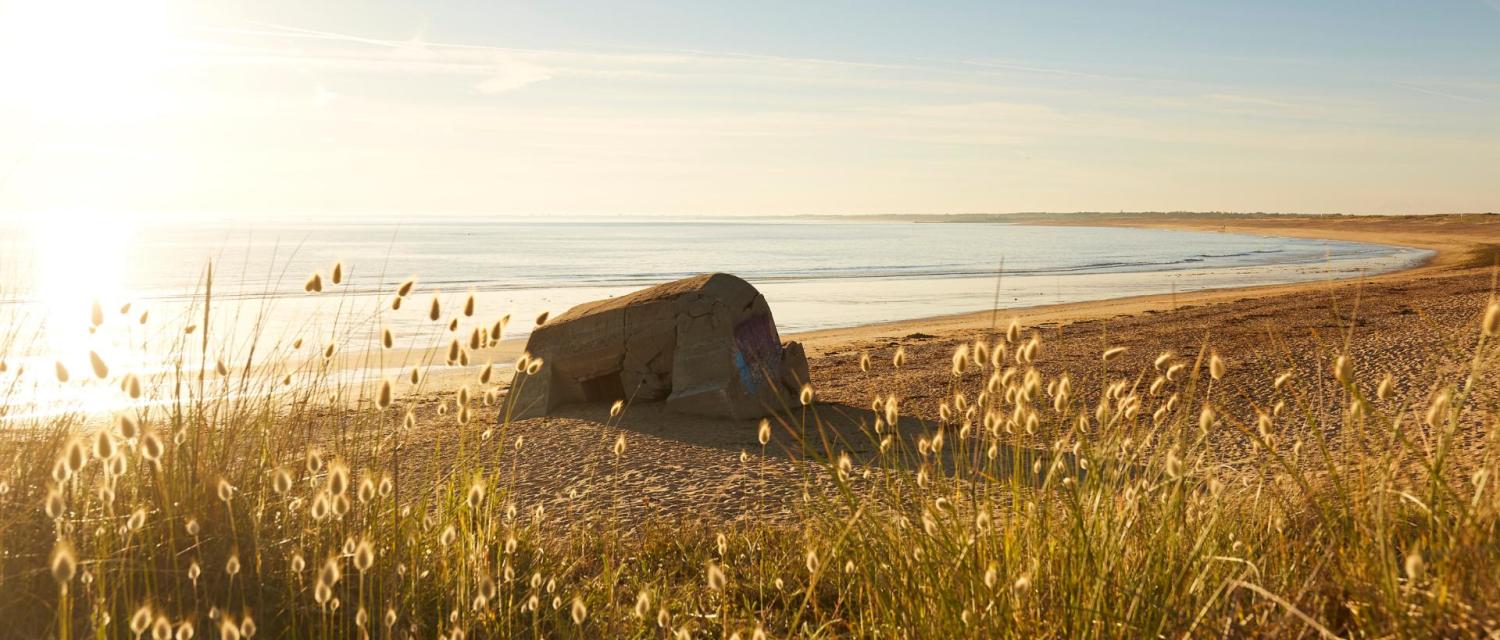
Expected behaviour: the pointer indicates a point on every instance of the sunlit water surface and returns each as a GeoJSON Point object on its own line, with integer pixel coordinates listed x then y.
{"type": "Point", "coordinates": [814, 274]}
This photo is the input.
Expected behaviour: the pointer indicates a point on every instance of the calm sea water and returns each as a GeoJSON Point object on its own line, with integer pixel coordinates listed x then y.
{"type": "Point", "coordinates": [814, 274]}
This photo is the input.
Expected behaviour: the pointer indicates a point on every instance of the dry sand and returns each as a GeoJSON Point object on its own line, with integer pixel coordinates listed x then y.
{"type": "Point", "coordinates": [1412, 324]}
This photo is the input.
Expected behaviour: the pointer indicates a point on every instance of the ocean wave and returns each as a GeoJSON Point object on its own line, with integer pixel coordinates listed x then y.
{"type": "Point", "coordinates": [263, 290]}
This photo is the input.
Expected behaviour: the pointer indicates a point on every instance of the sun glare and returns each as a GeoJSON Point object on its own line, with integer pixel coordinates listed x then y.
{"type": "Point", "coordinates": [81, 56]}
{"type": "Point", "coordinates": [80, 260]}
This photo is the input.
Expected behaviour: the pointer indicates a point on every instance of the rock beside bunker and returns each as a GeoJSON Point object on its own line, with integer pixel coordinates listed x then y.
{"type": "Point", "coordinates": [706, 345]}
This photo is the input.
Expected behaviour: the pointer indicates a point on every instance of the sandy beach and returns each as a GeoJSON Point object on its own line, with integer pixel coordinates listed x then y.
{"type": "Point", "coordinates": [691, 467]}
{"type": "Point", "coordinates": [688, 467]}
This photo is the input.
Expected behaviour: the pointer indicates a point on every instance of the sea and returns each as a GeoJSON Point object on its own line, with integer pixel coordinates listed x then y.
{"type": "Point", "coordinates": [149, 280]}
{"type": "Point", "coordinates": [814, 274]}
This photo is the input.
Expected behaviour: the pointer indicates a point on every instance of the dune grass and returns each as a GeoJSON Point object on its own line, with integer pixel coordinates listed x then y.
{"type": "Point", "coordinates": [265, 496]}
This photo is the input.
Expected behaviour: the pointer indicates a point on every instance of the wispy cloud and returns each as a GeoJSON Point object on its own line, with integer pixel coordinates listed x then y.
{"type": "Point", "coordinates": [511, 75]}
{"type": "Point", "coordinates": [510, 66]}
{"type": "Point", "coordinates": [1257, 101]}
{"type": "Point", "coordinates": [1440, 94]}
{"type": "Point", "coordinates": [498, 69]}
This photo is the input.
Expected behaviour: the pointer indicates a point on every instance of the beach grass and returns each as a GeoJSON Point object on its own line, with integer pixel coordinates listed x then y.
{"type": "Point", "coordinates": [269, 495]}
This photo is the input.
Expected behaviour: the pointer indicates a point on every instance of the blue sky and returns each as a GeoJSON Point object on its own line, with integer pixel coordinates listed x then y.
{"type": "Point", "coordinates": [768, 107]}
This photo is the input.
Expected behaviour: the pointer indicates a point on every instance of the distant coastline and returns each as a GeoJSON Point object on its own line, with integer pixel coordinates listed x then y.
{"type": "Point", "coordinates": [1127, 217]}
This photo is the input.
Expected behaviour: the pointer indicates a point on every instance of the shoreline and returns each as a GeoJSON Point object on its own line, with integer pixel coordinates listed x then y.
{"type": "Point", "coordinates": [1448, 254]}
{"type": "Point", "coordinates": [1451, 240]}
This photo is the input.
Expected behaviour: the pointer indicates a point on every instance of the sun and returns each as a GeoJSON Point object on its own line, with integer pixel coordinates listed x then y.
{"type": "Point", "coordinates": [70, 57]}
{"type": "Point", "coordinates": [79, 260]}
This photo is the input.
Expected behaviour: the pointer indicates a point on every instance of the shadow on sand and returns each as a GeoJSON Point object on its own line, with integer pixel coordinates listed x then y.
{"type": "Point", "coordinates": [820, 433]}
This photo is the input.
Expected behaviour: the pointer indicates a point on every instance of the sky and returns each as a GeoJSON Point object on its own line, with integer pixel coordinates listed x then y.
{"type": "Point", "coordinates": [171, 108]}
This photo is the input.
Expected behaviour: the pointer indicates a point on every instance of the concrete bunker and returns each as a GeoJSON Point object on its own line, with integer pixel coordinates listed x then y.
{"type": "Point", "coordinates": [707, 345]}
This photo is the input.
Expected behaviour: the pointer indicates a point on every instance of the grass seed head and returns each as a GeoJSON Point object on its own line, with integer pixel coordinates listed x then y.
{"type": "Point", "coordinates": [320, 507]}
{"type": "Point", "coordinates": [338, 478]}
{"type": "Point", "coordinates": [383, 398]}
{"type": "Point", "coordinates": [152, 447]}
{"type": "Point", "coordinates": [366, 491]}
{"type": "Point", "coordinates": [77, 455]}
{"type": "Point", "coordinates": [960, 359]}
{"type": "Point", "coordinates": [1216, 367]}
{"type": "Point", "coordinates": [364, 556]}
{"type": "Point", "coordinates": [140, 621]}
{"type": "Point", "coordinates": [716, 579]}
{"type": "Point", "coordinates": [476, 494]}
{"type": "Point", "coordinates": [1415, 566]}
{"type": "Point", "coordinates": [64, 562]}
{"type": "Point", "coordinates": [330, 574]}
{"type": "Point", "coordinates": [1343, 369]}
{"type": "Point", "coordinates": [642, 604]}
{"type": "Point", "coordinates": [579, 611]}
{"type": "Point", "coordinates": [1437, 412]}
